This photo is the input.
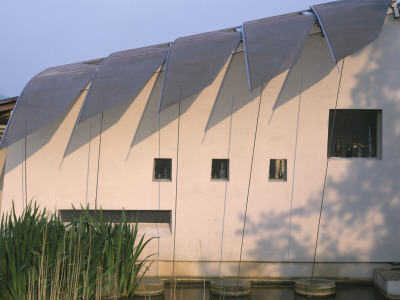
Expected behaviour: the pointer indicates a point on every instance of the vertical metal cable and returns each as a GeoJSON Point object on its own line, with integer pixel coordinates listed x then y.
{"type": "Point", "coordinates": [294, 167]}
{"type": "Point", "coordinates": [248, 187]}
{"type": "Point", "coordinates": [176, 184]}
{"type": "Point", "coordinates": [98, 163]}
{"type": "Point", "coordinates": [326, 172]}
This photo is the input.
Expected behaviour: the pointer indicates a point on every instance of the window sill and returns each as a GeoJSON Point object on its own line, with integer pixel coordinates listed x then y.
{"type": "Point", "coordinates": [355, 158]}
{"type": "Point", "coordinates": [154, 229]}
{"type": "Point", "coordinates": [276, 180]}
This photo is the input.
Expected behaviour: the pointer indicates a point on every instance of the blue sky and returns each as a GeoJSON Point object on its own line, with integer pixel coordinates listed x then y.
{"type": "Point", "coordinates": [35, 35]}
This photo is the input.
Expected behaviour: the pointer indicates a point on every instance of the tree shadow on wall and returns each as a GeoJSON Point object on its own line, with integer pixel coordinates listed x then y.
{"type": "Point", "coordinates": [362, 201]}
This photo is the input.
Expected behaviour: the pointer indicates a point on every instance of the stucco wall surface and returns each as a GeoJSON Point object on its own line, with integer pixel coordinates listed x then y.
{"type": "Point", "coordinates": [108, 161]}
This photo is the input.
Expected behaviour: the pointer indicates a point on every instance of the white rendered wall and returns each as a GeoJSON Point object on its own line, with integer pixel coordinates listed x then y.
{"type": "Point", "coordinates": [49, 176]}
{"type": "Point", "coordinates": [361, 203]}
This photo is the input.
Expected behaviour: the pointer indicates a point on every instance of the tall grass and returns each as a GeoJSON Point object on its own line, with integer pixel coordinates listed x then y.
{"type": "Point", "coordinates": [88, 258]}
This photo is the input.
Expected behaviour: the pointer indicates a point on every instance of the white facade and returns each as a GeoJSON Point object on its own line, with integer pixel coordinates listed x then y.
{"type": "Point", "coordinates": [108, 163]}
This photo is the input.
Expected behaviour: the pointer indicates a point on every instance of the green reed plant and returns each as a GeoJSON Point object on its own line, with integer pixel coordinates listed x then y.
{"type": "Point", "coordinates": [42, 257]}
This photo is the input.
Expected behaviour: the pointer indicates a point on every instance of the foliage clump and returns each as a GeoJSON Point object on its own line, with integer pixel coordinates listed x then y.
{"type": "Point", "coordinates": [42, 257]}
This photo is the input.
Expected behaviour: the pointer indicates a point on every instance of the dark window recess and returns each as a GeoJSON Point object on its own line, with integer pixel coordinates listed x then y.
{"type": "Point", "coordinates": [356, 133]}
{"type": "Point", "coordinates": [278, 169]}
{"type": "Point", "coordinates": [141, 216]}
{"type": "Point", "coordinates": [220, 169]}
{"type": "Point", "coordinates": [162, 169]}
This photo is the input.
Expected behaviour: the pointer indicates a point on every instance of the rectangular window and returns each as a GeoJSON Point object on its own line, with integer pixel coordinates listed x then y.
{"type": "Point", "coordinates": [153, 223]}
{"type": "Point", "coordinates": [162, 169]}
{"type": "Point", "coordinates": [278, 169]}
{"type": "Point", "coordinates": [356, 133]}
{"type": "Point", "coordinates": [132, 216]}
{"type": "Point", "coordinates": [220, 169]}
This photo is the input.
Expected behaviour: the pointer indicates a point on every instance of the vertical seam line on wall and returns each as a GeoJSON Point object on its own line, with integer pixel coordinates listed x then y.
{"type": "Point", "coordinates": [248, 187]}
{"type": "Point", "coordinates": [326, 171]}
{"type": "Point", "coordinates": [22, 176]}
{"type": "Point", "coordinates": [25, 176]}
{"type": "Point", "coordinates": [98, 162]}
{"type": "Point", "coordinates": [88, 164]}
{"type": "Point", "coordinates": [226, 189]}
{"type": "Point", "coordinates": [294, 166]}
{"type": "Point", "coordinates": [176, 184]}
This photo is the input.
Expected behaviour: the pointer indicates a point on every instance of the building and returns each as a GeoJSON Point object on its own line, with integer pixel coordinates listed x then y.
{"type": "Point", "coordinates": [6, 107]}
{"type": "Point", "coordinates": [228, 178]}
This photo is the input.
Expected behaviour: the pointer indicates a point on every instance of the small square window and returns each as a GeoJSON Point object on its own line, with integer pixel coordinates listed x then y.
{"type": "Point", "coordinates": [356, 133]}
{"type": "Point", "coordinates": [278, 169]}
{"type": "Point", "coordinates": [162, 169]}
{"type": "Point", "coordinates": [220, 169]}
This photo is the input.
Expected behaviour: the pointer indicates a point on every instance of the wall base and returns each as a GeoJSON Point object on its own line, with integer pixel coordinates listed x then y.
{"type": "Point", "coordinates": [265, 271]}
